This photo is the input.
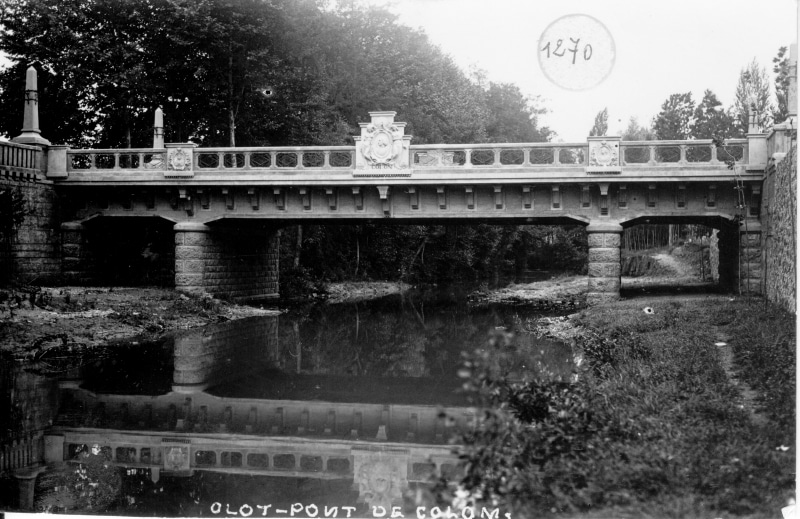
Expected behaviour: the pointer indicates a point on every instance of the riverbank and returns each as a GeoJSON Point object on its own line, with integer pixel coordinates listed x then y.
{"type": "Point", "coordinates": [352, 291]}
{"type": "Point", "coordinates": [83, 317]}
{"type": "Point", "coordinates": [682, 407]}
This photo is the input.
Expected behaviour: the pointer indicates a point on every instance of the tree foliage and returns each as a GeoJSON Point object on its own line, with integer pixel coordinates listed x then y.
{"type": "Point", "coordinates": [635, 132]}
{"type": "Point", "coordinates": [781, 70]}
{"type": "Point", "coordinates": [600, 126]}
{"type": "Point", "coordinates": [753, 91]}
{"type": "Point", "coordinates": [242, 72]}
{"type": "Point", "coordinates": [271, 72]}
{"type": "Point", "coordinates": [675, 120]}
{"type": "Point", "coordinates": [711, 120]}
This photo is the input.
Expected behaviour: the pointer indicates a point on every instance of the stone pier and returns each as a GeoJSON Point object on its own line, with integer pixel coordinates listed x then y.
{"type": "Point", "coordinates": [75, 257]}
{"type": "Point", "coordinates": [604, 262]}
{"type": "Point", "coordinates": [749, 276]}
{"type": "Point", "coordinates": [238, 263]}
{"type": "Point", "coordinates": [740, 257]}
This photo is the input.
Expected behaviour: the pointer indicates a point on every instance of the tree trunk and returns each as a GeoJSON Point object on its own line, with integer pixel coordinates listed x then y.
{"type": "Point", "coordinates": [231, 113]}
{"type": "Point", "coordinates": [358, 257]}
{"type": "Point", "coordinates": [298, 246]}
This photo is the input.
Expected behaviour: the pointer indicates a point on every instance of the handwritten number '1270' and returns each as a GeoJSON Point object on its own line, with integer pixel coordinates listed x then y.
{"type": "Point", "coordinates": [587, 50]}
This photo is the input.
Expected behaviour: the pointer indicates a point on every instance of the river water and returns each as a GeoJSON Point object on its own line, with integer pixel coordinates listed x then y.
{"type": "Point", "coordinates": [348, 409]}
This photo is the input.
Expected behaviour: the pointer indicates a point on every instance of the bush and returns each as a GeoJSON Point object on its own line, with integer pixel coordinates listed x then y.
{"type": "Point", "coordinates": [650, 425]}
{"type": "Point", "coordinates": [298, 283]}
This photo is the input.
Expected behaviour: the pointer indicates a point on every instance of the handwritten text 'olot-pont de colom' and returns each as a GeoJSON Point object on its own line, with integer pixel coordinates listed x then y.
{"type": "Point", "coordinates": [298, 509]}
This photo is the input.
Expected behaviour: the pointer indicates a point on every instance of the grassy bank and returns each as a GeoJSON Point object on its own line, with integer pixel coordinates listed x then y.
{"type": "Point", "coordinates": [657, 423]}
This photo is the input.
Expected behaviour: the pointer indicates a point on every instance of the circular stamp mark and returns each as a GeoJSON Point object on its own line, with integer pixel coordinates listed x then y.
{"type": "Point", "coordinates": [576, 52]}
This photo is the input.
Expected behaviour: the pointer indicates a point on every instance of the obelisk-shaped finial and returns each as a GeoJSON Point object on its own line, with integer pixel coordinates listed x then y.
{"type": "Point", "coordinates": [30, 125]}
{"type": "Point", "coordinates": [158, 130]}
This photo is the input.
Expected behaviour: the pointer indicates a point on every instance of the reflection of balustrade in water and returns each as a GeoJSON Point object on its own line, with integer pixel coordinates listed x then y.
{"type": "Point", "coordinates": [382, 448]}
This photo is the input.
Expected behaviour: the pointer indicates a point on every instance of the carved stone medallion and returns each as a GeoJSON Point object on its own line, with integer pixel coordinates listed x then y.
{"type": "Point", "coordinates": [179, 160]}
{"type": "Point", "coordinates": [176, 458]}
{"type": "Point", "coordinates": [382, 145]}
{"type": "Point", "coordinates": [604, 155]}
{"type": "Point", "coordinates": [380, 482]}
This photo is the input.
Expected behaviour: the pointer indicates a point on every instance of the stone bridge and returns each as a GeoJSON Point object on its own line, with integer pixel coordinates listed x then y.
{"type": "Point", "coordinates": [226, 206]}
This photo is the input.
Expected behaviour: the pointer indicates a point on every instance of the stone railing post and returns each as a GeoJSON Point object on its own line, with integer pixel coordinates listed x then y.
{"type": "Point", "coordinates": [57, 161]}
{"type": "Point", "coordinates": [604, 262]}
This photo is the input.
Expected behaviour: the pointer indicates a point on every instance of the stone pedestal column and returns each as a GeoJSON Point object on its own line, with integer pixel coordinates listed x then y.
{"type": "Point", "coordinates": [192, 241]}
{"type": "Point", "coordinates": [604, 262]}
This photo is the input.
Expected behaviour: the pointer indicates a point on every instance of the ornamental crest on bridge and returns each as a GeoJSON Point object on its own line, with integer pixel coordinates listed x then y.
{"type": "Point", "coordinates": [604, 155]}
{"type": "Point", "coordinates": [383, 149]}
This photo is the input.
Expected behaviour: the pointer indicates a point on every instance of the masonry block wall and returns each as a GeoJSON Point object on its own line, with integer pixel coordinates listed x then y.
{"type": "Point", "coordinates": [780, 231]}
{"type": "Point", "coordinates": [33, 401]}
{"type": "Point", "coordinates": [750, 279]}
{"type": "Point", "coordinates": [230, 261]}
{"type": "Point", "coordinates": [34, 255]}
{"type": "Point", "coordinates": [77, 261]}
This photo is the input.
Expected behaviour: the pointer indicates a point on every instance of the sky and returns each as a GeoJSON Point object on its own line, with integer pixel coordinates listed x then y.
{"type": "Point", "coordinates": [661, 48]}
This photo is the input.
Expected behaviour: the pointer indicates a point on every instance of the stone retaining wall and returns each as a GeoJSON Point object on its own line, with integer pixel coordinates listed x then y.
{"type": "Point", "coordinates": [35, 255]}
{"type": "Point", "coordinates": [780, 231]}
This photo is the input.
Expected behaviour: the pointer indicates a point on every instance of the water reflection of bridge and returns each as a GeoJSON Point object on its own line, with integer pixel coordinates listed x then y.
{"type": "Point", "coordinates": [199, 426]}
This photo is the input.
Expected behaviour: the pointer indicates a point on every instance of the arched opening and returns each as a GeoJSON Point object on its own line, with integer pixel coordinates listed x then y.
{"type": "Point", "coordinates": [678, 254]}
{"type": "Point", "coordinates": [452, 251]}
{"type": "Point", "coordinates": [131, 251]}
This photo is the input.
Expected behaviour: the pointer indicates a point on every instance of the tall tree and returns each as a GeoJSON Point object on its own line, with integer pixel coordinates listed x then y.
{"type": "Point", "coordinates": [781, 69]}
{"type": "Point", "coordinates": [635, 132]}
{"type": "Point", "coordinates": [512, 117]}
{"type": "Point", "coordinates": [752, 91]}
{"type": "Point", "coordinates": [600, 127]}
{"type": "Point", "coordinates": [676, 118]}
{"type": "Point", "coordinates": [711, 120]}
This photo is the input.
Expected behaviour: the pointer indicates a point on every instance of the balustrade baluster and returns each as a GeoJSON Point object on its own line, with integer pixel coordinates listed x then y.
{"type": "Point", "coordinates": [273, 163]}
{"type": "Point", "coordinates": [496, 157]}
{"type": "Point", "coordinates": [526, 156]}
{"type": "Point", "coordinates": [467, 158]}
{"type": "Point", "coordinates": [91, 161]}
{"type": "Point", "coordinates": [299, 164]}
{"type": "Point", "coordinates": [221, 160]}
{"type": "Point", "coordinates": [326, 159]}
{"type": "Point", "coordinates": [683, 154]}
{"type": "Point", "coordinates": [247, 159]}
{"type": "Point", "coordinates": [141, 161]}
{"type": "Point", "coordinates": [652, 159]}
{"type": "Point", "coordinates": [556, 156]}
{"type": "Point", "coordinates": [714, 159]}
{"type": "Point", "coordinates": [116, 161]}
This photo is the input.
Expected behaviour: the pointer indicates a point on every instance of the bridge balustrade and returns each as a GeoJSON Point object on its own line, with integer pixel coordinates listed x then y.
{"type": "Point", "coordinates": [19, 160]}
{"type": "Point", "coordinates": [424, 156]}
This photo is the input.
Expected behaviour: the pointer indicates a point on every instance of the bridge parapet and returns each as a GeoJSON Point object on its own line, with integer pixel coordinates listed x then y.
{"type": "Point", "coordinates": [384, 154]}
{"type": "Point", "coordinates": [340, 164]}
{"type": "Point", "coordinates": [20, 161]}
